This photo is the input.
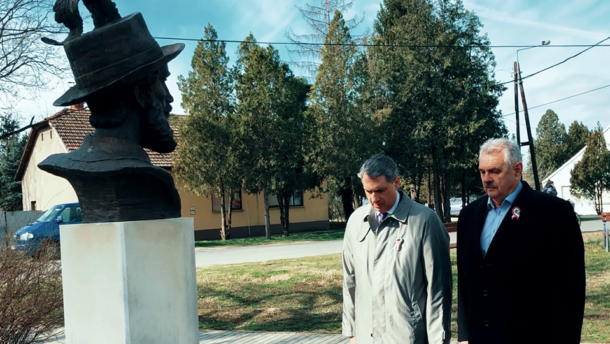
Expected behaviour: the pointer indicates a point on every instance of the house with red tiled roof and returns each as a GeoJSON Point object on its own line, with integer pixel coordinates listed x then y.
{"type": "Point", "coordinates": [64, 132]}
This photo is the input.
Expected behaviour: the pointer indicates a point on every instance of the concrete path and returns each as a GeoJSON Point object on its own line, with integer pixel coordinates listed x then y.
{"type": "Point", "coordinates": [592, 224]}
{"type": "Point", "coordinates": [242, 337]}
{"type": "Point", "coordinates": [262, 253]}
{"type": "Point", "coordinates": [226, 337]}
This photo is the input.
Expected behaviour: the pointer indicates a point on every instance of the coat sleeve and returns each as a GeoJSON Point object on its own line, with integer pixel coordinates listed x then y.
{"type": "Point", "coordinates": [349, 286]}
{"type": "Point", "coordinates": [569, 280]}
{"type": "Point", "coordinates": [438, 274]}
{"type": "Point", "coordinates": [462, 318]}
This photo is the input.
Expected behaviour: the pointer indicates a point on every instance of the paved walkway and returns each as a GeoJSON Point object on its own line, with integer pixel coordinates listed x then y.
{"type": "Point", "coordinates": [262, 253]}
{"type": "Point", "coordinates": [239, 337]}
{"type": "Point", "coordinates": [591, 224]}
{"type": "Point", "coordinates": [218, 337]}
{"type": "Point", "coordinates": [242, 337]}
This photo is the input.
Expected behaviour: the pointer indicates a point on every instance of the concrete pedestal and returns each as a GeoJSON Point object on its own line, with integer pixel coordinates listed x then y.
{"type": "Point", "coordinates": [130, 282]}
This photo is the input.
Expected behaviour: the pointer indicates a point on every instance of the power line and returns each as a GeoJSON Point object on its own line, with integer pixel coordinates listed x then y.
{"type": "Point", "coordinates": [520, 124]}
{"type": "Point", "coordinates": [62, 31]}
{"type": "Point", "coordinates": [382, 45]}
{"type": "Point", "coordinates": [598, 44]}
{"type": "Point", "coordinates": [558, 100]}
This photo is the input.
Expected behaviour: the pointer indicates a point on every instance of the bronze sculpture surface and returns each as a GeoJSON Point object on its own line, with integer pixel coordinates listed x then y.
{"type": "Point", "coordinates": [120, 72]}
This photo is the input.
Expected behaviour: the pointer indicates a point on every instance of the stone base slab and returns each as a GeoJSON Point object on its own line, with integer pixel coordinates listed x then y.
{"type": "Point", "coordinates": [130, 282]}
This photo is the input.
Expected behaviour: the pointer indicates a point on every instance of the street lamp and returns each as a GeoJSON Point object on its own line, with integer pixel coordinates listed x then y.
{"type": "Point", "coordinates": [543, 44]}
{"type": "Point", "coordinates": [530, 142]}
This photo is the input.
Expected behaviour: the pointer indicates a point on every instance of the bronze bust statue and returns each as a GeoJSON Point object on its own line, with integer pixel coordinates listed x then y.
{"type": "Point", "coordinates": [120, 72]}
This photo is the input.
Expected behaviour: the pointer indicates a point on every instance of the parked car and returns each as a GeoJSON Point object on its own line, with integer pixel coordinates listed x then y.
{"type": "Point", "coordinates": [456, 206]}
{"type": "Point", "coordinates": [46, 228]}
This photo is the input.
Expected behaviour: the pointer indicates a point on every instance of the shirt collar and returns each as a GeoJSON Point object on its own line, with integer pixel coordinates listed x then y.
{"type": "Point", "coordinates": [510, 198]}
{"type": "Point", "coordinates": [393, 209]}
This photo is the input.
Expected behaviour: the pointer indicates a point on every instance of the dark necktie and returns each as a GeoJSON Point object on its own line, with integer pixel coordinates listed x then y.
{"type": "Point", "coordinates": [382, 216]}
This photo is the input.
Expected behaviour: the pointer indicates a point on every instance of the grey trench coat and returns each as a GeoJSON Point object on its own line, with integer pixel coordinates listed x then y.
{"type": "Point", "coordinates": [397, 277]}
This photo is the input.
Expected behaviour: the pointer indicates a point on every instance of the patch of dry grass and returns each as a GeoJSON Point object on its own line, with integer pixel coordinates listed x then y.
{"type": "Point", "coordinates": [286, 295]}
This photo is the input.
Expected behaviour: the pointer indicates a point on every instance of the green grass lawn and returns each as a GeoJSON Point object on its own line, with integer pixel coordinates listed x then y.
{"type": "Point", "coordinates": [277, 239]}
{"type": "Point", "coordinates": [283, 295]}
{"type": "Point", "coordinates": [305, 295]}
{"type": "Point", "coordinates": [596, 327]}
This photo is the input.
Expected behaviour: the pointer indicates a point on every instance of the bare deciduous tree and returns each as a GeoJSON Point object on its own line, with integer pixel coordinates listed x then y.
{"type": "Point", "coordinates": [26, 63]}
{"type": "Point", "coordinates": [318, 17]}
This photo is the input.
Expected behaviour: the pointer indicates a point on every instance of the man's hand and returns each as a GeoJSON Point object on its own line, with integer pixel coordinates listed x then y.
{"type": "Point", "coordinates": [352, 340]}
{"type": "Point", "coordinates": [463, 342]}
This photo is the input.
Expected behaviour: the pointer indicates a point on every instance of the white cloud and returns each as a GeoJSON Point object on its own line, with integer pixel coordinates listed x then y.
{"type": "Point", "coordinates": [504, 17]}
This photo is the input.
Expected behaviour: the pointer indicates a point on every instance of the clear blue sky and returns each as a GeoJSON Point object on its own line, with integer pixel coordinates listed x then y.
{"type": "Point", "coordinates": [514, 22]}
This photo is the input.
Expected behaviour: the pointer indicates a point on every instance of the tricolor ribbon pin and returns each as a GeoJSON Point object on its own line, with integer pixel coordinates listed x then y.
{"type": "Point", "coordinates": [516, 213]}
{"type": "Point", "coordinates": [397, 244]}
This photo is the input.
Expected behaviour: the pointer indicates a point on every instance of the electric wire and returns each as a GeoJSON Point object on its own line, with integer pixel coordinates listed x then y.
{"type": "Point", "coordinates": [557, 64]}
{"type": "Point", "coordinates": [381, 45]}
{"type": "Point", "coordinates": [558, 100]}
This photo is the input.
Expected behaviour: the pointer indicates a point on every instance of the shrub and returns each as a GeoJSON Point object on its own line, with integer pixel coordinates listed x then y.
{"type": "Point", "coordinates": [31, 300]}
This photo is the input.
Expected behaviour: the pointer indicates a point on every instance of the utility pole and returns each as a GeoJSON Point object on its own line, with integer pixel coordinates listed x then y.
{"type": "Point", "coordinates": [529, 132]}
{"type": "Point", "coordinates": [517, 105]}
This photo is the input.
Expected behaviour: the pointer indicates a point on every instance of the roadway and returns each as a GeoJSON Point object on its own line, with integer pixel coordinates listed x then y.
{"type": "Point", "coordinates": [244, 254]}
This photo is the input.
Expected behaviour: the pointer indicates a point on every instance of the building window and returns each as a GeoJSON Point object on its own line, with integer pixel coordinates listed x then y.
{"type": "Point", "coordinates": [193, 210]}
{"type": "Point", "coordinates": [33, 205]}
{"type": "Point", "coordinates": [235, 205]}
{"type": "Point", "coordinates": [296, 200]}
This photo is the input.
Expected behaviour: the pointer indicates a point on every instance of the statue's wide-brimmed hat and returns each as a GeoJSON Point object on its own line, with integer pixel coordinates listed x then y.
{"type": "Point", "coordinates": [121, 52]}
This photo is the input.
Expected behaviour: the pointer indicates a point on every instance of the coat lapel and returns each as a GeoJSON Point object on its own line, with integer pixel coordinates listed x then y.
{"type": "Point", "coordinates": [365, 229]}
{"type": "Point", "coordinates": [509, 222]}
{"type": "Point", "coordinates": [371, 224]}
{"type": "Point", "coordinates": [478, 222]}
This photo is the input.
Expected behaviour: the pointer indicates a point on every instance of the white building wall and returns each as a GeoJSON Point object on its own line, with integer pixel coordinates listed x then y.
{"type": "Point", "coordinates": [561, 178]}
{"type": "Point", "coordinates": [42, 187]}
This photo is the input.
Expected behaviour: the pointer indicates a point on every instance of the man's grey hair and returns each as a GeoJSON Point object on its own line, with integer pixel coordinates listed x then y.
{"type": "Point", "coordinates": [512, 151]}
{"type": "Point", "coordinates": [378, 165]}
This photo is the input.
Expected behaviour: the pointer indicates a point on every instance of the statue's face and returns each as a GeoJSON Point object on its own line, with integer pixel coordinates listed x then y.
{"type": "Point", "coordinates": [157, 135]}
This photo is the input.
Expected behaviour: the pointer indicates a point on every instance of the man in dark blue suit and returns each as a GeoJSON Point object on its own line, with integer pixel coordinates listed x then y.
{"type": "Point", "coordinates": [521, 270]}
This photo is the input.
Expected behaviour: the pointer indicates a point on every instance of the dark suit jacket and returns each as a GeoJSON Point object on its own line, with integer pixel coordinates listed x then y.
{"type": "Point", "coordinates": [530, 287]}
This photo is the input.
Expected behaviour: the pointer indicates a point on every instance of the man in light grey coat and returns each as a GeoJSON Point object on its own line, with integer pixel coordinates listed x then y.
{"type": "Point", "coordinates": [396, 267]}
